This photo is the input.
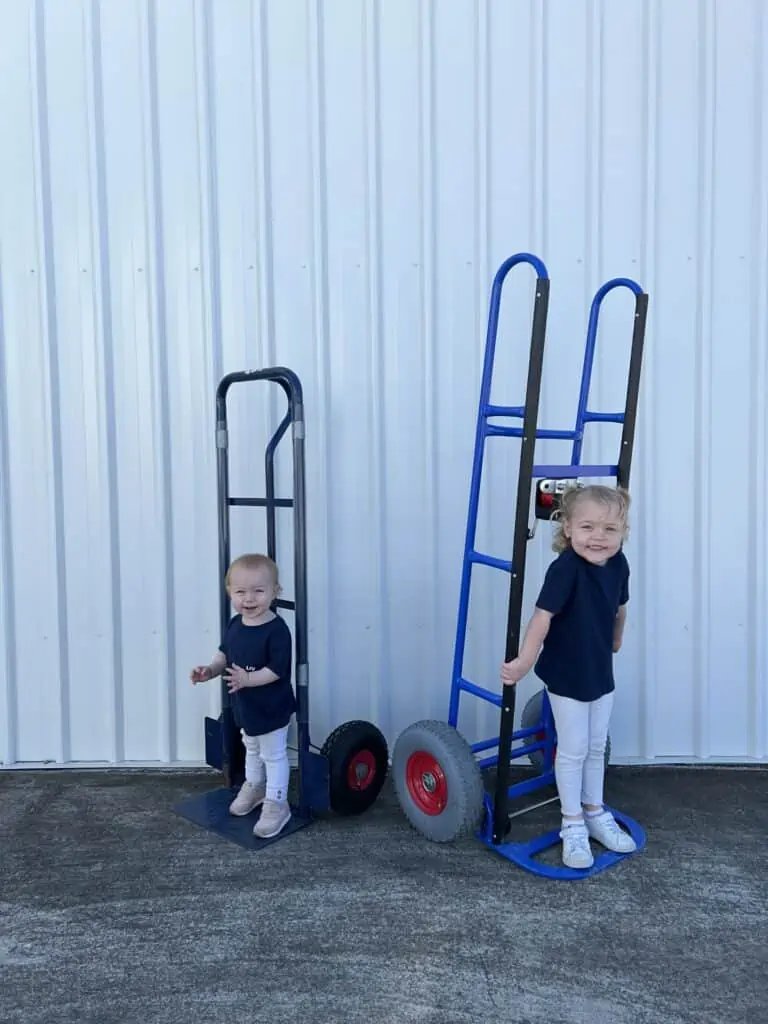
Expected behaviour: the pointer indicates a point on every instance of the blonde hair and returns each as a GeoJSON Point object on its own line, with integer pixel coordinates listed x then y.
{"type": "Point", "coordinates": [254, 562]}
{"type": "Point", "coordinates": [615, 498]}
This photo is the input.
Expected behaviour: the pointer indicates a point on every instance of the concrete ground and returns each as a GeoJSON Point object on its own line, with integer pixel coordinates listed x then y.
{"type": "Point", "coordinates": [114, 909]}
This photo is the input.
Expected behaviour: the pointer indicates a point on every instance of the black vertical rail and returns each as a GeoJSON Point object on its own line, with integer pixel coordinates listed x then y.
{"type": "Point", "coordinates": [300, 585]}
{"type": "Point", "coordinates": [633, 391]}
{"type": "Point", "coordinates": [269, 478]}
{"type": "Point", "coordinates": [228, 731]}
{"type": "Point", "coordinates": [517, 580]}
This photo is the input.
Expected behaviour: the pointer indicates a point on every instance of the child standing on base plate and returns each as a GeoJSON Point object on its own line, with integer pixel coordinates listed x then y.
{"type": "Point", "coordinates": [578, 626]}
{"type": "Point", "coordinates": [255, 661]}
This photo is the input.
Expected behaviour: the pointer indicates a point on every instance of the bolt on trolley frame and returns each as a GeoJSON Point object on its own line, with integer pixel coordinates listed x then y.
{"type": "Point", "coordinates": [347, 774]}
{"type": "Point", "coordinates": [427, 761]}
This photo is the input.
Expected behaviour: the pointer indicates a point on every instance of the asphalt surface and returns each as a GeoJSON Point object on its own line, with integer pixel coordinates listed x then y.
{"type": "Point", "coordinates": [115, 909]}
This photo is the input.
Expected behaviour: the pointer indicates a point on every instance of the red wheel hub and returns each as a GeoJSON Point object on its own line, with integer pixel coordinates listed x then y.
{"type": "Point", "coordinates": [426, 783]}
{"type": "Point", "coordinates": [361, 771]}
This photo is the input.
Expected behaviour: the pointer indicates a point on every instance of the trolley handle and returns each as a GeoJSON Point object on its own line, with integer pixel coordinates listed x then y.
{"type": "Point", "coordinates": [582, 414]}
{"type": "Point", "coordinates": [291, 385]}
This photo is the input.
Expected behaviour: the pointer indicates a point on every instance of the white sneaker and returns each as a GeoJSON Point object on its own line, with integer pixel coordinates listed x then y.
{"type": "Point", "coordinates": [248, 799]}
{"type": "Point", "coordinates": [606, 830]}
{"type": "Point", "coordinates": [576, 851]}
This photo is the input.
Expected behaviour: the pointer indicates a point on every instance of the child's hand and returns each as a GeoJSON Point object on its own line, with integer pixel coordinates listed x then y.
{"type": "Point", "coordinates": [201, 674]}
{"type": "Point", "coordinates": [236, 678]}
{"type": "Point", "coordinates": [513, 671]}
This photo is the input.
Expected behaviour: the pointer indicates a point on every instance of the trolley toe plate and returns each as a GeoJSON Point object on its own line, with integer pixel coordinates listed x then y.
{"type": "Point", "coordinates": [525, 854]}
{"type": "Point", "coordinates": [211, 812]}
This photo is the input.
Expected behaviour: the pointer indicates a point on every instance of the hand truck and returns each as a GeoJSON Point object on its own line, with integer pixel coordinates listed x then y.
{"type": "Point", "coordinates": [347, 774]}
{"type": "Point", "coordinates": [438, 777]}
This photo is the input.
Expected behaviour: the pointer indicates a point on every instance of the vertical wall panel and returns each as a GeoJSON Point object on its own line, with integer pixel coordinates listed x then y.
{"type": "Point", "coordinates": [70, 47]}
{"type": "Point", "coordinates": [33, 486]}
{"type": "Point", "coordinates": [194, 188]}
{"type": "Point", "coordinates": [681, 112]}
{"type": "Point", "coordinates": [734, 159]}
{"type": "Point", "coordinates": [405, 306]}
{"type": "Point", "coordinates": [758, 434]}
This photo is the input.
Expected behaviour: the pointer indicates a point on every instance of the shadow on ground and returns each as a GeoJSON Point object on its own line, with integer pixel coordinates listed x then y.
{"type": "Point", "coordinates": [113, 909]}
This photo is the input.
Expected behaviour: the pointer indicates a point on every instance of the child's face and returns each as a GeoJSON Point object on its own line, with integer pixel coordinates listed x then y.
{"type": "Point", "coordinates": [252, 591]}
{"type": "Point", "coordinates": [595, 531]}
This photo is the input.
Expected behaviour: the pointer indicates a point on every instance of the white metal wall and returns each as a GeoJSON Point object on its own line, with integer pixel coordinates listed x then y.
{"type": "Point", "coordinates": [188, 188]}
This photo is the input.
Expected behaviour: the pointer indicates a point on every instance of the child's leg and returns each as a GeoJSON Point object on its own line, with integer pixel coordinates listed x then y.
{"type": "Point", "coordinates": [594, 765]}
{"type": "Point", "coordinates": [572, 724]}
{"type": "Point", "coordinates": [253, 789]}
{"type": "Point", "coordinates": [274, 751]}
{"type": "Point", "coordinates": [601, 824]}
{"type": "Point", "coordinates": [255, 771]}
{"type": "Point", "coordinates": [276, 813]}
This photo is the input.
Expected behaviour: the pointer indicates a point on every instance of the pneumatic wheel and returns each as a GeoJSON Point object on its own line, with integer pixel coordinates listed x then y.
{"type": "Point", "coordinates": [358, 760]}
{"type": "Point", "coordinates": [438, 781]}
{"type": "Point", "coordinates": [531, 717]}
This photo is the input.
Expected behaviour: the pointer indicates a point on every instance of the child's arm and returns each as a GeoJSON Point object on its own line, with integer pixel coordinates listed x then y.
{"type": "Point", "coordinates": [513, 671]}
{"type": "Point", "coordinates": [238, 679]}
{"type": "Point", "coordinates": [202, 673]}
{"type": "Point", "coordinates": [618, 628]}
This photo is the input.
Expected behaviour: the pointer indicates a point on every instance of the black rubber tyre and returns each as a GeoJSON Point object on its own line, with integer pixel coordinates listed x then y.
{"type": "Point", "coordinates": [531, 716]}
{"type": "Point", "coordinates": [358, 760]}
{"type": "Point", "coordinates": [438, 781]}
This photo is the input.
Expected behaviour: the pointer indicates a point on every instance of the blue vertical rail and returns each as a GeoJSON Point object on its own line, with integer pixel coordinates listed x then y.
{"type": "Point", "coordinates": [481, 432]}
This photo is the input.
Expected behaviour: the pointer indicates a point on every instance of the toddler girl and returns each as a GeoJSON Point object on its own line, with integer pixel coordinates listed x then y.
{"type": "Point", "coordinates": [255, 661]}
{"type": "Point", "coordinates": [578, 625]}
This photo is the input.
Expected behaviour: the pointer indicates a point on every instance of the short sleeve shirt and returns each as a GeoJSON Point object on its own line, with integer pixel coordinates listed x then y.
{"type": "Point", "coordinates": [259, 710]}
{"type": "Point", "coordinates": [576, 659]}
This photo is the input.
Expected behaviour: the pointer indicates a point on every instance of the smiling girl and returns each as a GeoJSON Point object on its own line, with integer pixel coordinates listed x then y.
{"type": "Point", "coordinates": [578, 625]}
{"type": "Point", "coordinates": [255, 661]}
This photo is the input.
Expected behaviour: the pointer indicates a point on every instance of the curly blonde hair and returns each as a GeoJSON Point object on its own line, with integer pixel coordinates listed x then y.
{"type": "Point", "coordinates": [615, 498]}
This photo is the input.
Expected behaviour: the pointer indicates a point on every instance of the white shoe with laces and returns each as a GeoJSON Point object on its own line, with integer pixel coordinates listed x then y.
{"type": "Point", "coordinates": [576, 851]}
{"type": "Point", "coordinates": [606, 830]}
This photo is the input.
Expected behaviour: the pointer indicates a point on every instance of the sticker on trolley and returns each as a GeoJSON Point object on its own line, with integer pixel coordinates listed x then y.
{"type": "Point", "coordinates": [549, 494]}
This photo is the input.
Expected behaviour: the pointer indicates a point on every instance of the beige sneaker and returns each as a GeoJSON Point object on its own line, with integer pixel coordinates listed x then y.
{"type": "Point", "coordinates": [274, 817]}
{"type": "Point", "coordinates": [248, 799]}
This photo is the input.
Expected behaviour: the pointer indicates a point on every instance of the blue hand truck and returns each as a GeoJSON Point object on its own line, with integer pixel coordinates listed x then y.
{"type": "Point", "coordinates": [441, 783]}
{"type": "Point", "coordinates": [347, 774]}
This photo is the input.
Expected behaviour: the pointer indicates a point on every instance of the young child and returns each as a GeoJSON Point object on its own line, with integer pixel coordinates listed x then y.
{"type": "Point", "coordinates": [578, 625]}
{"type": "Point", "coordinates": [255, 660]}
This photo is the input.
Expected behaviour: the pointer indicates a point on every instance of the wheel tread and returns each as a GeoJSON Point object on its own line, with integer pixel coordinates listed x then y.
{"type": "Point", "coordinates": [337, 750]}
{"type": "Point", "coordinates": [466, 792]}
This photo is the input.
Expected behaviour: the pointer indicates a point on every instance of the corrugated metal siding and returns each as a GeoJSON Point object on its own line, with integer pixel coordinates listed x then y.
{"type": "Point", "coordinates": [188, 189]}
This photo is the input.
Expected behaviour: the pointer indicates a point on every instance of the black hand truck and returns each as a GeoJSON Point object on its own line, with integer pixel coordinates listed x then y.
{"type": "Point", "coordinates": [347, 774]}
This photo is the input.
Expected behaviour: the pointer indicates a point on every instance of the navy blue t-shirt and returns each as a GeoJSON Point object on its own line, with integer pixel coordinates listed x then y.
{"type": "Point", "coordinates": [576, 659]}
{"type": "Point", "coordinates": [261, 709]}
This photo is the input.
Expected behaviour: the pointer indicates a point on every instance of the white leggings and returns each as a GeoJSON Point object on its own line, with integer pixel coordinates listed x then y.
{"type": "Point", "coordinates": [266, 757]}
{"type": "Point", "coordinates": [582, 731]}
